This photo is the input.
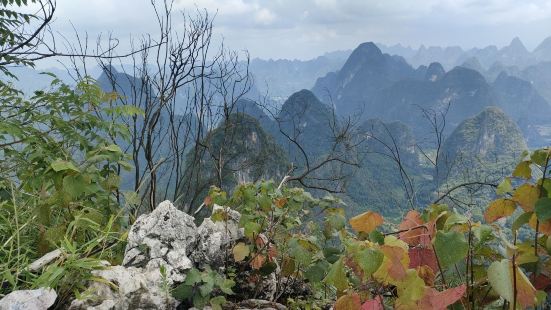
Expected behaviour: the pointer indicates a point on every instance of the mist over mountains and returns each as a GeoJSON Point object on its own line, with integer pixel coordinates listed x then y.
{"type": "Point", "coordinates": [489, 103]}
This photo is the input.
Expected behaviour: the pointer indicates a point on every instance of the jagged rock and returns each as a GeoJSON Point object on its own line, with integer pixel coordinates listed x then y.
{"type": "Point", "coordinates": [165, 237]}
{"type": "Point", "coordinates": [137, 289]}
{"type": "Point", "coordinates": [38, 299]}
{"type": "Point", "coordinates": [168, 237]}
{"type": "Point", "coordinates": [216, 237]}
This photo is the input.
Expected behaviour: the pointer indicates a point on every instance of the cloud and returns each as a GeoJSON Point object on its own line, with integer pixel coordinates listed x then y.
{"type": "Point", "coordinates": [307, 28]}
{"type": "Point", "coordinates": [264, 16]}
{"type": "Point", "coordinates": [222, 7]}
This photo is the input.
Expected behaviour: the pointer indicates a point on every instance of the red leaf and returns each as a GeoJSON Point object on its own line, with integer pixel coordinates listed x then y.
{"type": "Point", "coordinates": [373, 304]}
{"type": "Point", "coordinates": [415, 234]}
{"type": "Point", "coordinates": [422, 257]}
{"type": "Point", "coordinates": [542, 283]}
{"type": "Point", "coordinates": [436, 300]}
{"type": "Point", "coordinates": [258, 261]}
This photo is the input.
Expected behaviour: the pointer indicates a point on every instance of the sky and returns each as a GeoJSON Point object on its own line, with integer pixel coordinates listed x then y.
{"type": "Point", "coordinates": [304, 29]}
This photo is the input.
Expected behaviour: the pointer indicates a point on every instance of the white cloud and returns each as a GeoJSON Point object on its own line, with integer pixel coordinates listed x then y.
{"type": "Point", "coordinates": [223, 7]}
{"type": "Point", "coordinates": [310, 27]}
{"type": "Point", "coordinates": [264, 16]}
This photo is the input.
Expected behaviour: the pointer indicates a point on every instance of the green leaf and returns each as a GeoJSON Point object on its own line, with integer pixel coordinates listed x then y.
{"type": "Point", "coordinates": [268, 268]}
{"type": "Point", "coordinates": [540, 157]}
{"type": "Point", "coordinates": [451, 247]}
{"type": "Point", "coordinates": [299, 252]}
{"type": "Point", "coordinates": [252, 229]}
{"type": "Point", "coordinates": [337, 276]}
{"type": "Point", "coordinates": [523, 170]}
{"type": "Point", "coordinates": [183, 292]}
{"type": "Point", "coordinates": [455, 219]}
{"type": "Point", "coordinates": [217, 302]}
{"type": "Point", "coordinates": [193, 277]}
{"type": "Point", "coordinates": [543, 209]}
{"type": "Point", "coordinates": [377, 237]}
{"type": "Point", "coordinates": [521, 220]}
{"type": "Point", "coordinates": [369, 260]}
{"type": "Point", "coordinates": [62, 165]}
{"type": "Point", "coordinates": [113, 148]}
{"type": "Point", "coordinates": [331, 254]}
{"type": "Point", "coordinates": [226, 286]}
{"type": "Point", "coordinates": [74, 185]}
{"type": "Point", "coordinates": [483, 233]}
{"type": "Point", "coordinates": [316, 272]}
{"type": "Point", "coordinates": [504, 187]}
{"type": "Point", "coordinates": [206, 288]}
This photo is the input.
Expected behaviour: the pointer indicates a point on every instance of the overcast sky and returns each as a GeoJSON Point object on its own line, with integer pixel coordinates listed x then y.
{"type": "Point", "coordinates": [307, 28]}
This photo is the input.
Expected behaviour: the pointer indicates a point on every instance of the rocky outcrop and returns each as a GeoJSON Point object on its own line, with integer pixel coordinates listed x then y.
{"type": "Point", "coordinates": [135, 288]}
{"type": "Point", "coordinates": [162, 247]}
{"type": "Point", "coordinates": [216, 238]}
{"type": "Point", "coordinates": [38, 299]}
{"type": "Point", "coordinates": [165, 237]}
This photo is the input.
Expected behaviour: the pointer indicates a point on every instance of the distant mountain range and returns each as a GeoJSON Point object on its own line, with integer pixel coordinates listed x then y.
{"type": "Point", "coordinates": [514, 54]}
{"type": "Point", "coordinates": [373, 84]}
{"type": "Point", "coordinates": [495, 102]}
{"type": "Point", "coordinates": [280, 78]}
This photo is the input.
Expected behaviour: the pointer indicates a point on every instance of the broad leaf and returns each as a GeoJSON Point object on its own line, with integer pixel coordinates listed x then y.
{"type": "Point", "coordinates": [348, 302]}
{"type": "Point", "coordinates": [451, 247]}
{"type": "Point", "coordinates": [422, 257]}
{"type": "Point", "coordinates": [369, 260]}
{"type": "Point", "coordinates": [526, 196]}
{"type": "Point", "coordinates": [62, 165]}
{"type": "Point", "coordinates": [366, 222]}
{"type": "Point", "coordinates": [436, 300]}
{"type": "Point", "coordinates": [413, 223]}
{"type": "Point", "coordinates": [373, 304]}
{"type": "Point", "coordinates": [240, 251]}
{"type": "Point", "coordinates": [499, 208]}
{"type": "Point", "coordinates": [543, 209]}
{"type": "Point", "coordinates": [500, 276]}
{"type": "Point", "coordinates": [337, 276]}
{"type": "Point", "coordinates": [523, 170]}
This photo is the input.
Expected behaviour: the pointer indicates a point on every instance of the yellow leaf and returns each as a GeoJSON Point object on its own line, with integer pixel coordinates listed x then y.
{"type": "Point", "coordinates": [526, 196]}
{"type": "Point", "coordinates": [366, 222]}
{"type": "Point", "coordinates": [499, 208]}
{"type": "Point", "coordinates": [240, 251]}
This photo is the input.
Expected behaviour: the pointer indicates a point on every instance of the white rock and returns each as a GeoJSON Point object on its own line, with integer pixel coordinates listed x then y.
{"type": "Point", "coordinates": [166, 236]}
{"type": "Point", "coordinates": [38, 299]}
{"type": "Point", "coordinates": [135, 289]}
{"type": "Point", "coordinates": [215, 239]}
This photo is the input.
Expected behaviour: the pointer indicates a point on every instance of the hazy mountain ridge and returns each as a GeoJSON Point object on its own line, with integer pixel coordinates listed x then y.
{"type": "Point", "coordinates": [373, 84]}
{"type": "Point", "coordinates": [514, 54]}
